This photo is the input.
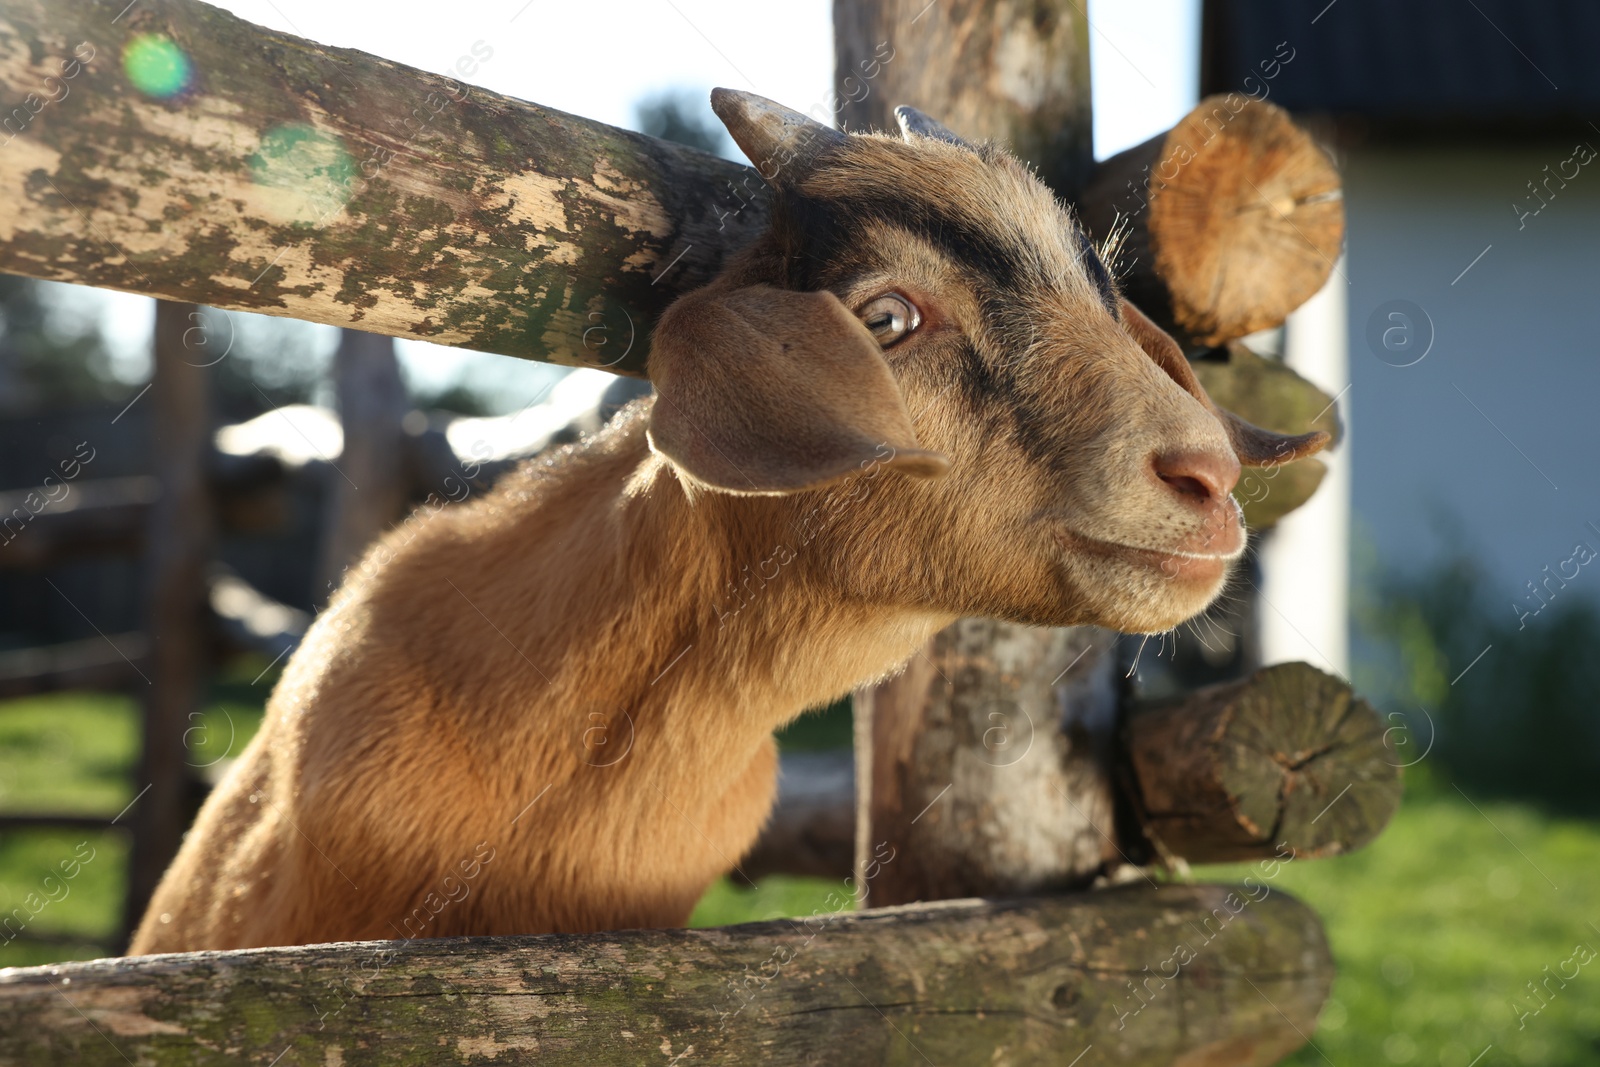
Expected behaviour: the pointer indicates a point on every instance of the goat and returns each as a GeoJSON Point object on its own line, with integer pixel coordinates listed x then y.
{"type": "Point", "coordinates": [917, 396]}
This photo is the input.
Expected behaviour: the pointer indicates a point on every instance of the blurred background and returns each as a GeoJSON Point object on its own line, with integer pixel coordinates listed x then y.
{"type": "Point", "coordinates": [1443, 566]}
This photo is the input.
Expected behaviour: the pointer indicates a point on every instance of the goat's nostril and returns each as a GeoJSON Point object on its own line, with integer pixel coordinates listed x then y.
{"type": "Point", "coordinates": [1200, 476]}
{"type": "Point", "coordinates": [1188, 486]}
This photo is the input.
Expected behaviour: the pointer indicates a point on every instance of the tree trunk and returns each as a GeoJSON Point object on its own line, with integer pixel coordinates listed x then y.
{"type": "Point", "coordinates": [1003, 814]}
{"type": "Point", "coordinates": [989, 769]}
{"type": "Point", "coordinates": [1013, 71]}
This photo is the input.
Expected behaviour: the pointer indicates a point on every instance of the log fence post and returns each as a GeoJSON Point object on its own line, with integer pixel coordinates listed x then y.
{"type": "Point", "coordinates": [984, 768]}
{"type": "Point", "coordinates": [179, 542]}
{"type": "Point", "coordinates": [368, 481]}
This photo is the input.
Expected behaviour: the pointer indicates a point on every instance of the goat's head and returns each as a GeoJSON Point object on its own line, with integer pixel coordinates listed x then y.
{"type": "Point", "coordinates": [927, 308]}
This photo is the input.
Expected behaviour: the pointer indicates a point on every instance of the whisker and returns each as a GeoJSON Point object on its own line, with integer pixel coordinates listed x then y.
{"type": "Point", "coordinates": [1135, 666]}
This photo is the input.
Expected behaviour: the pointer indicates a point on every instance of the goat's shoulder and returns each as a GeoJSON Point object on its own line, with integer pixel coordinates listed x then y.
{"type": "Point", "coordinates": [592, 469]}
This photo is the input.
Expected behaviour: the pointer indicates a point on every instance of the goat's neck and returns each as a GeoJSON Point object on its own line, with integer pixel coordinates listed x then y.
{"type": "Point", "coordinates": [762, 631]}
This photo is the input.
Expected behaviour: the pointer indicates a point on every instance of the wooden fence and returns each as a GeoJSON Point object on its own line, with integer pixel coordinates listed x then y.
{"type": "Point", "coordinates": [331, 186]}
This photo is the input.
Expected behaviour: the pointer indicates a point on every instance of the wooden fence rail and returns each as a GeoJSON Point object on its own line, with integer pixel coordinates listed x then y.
{"type": "Point", "coordinates": [1139, 976]}
{"type": "Point", "coordinates": [276, 175]}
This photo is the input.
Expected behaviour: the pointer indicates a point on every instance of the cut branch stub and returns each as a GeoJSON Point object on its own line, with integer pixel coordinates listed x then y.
{"type": "Point", "coordinates": [1271, 395]}
{"type": "Point", "coordinates": [185, 153]}
{"type": "Point", "coordinates": [1289, 756]}
{"type": "Point", "coordinates": [1234, 218]}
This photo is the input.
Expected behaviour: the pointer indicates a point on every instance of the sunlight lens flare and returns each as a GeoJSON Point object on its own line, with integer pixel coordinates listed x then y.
{"type": "Point", "coordinates": [157, 66]}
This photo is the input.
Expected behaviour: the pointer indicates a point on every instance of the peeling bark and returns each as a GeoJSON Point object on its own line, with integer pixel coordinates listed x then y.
{"type": "Point", "coordinates": [988, 768]}
{"type": "Point", "coordinates": [329, 185]}
{"type": "Point", "coordinates": [1014, 71]}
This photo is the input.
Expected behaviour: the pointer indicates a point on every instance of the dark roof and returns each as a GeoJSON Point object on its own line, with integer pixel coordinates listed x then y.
{"type": "Point", "coordinates": [1450, 64]}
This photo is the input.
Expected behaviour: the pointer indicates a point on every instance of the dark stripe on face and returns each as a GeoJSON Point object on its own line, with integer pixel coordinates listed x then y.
{"type": "Point", "coordinates": [833, 223]}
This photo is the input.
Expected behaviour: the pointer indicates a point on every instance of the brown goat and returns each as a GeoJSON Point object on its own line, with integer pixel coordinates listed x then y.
{"type": "Point", "coordinates": [917, 397]}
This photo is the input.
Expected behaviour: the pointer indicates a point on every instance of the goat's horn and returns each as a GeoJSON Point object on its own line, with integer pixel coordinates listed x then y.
{"type": "Point", "coordinates": [914, 123]}
{"type": "Point", "coordinates": [783, 144]}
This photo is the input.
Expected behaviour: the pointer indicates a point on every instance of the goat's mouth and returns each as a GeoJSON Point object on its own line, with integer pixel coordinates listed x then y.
{"type": "Point", "coordinates": [1174, 564]}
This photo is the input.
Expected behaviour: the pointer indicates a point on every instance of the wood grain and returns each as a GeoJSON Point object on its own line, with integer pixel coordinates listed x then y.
{"type": "Point", "coordinates": [1025, 982]}
{"type": "Point", "coordinates": [1233, 218]}
{"type": "Point", "coordinates": [1290, 755]}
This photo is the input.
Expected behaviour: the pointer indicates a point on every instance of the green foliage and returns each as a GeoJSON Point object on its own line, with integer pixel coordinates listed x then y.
{"type": "Point", "coordinates": [49, 356]}
{"type": "Point", "coordinates": [457, 397]}
{"type": "Point", "coordinates": [820, 729]}
{"type": "Point", "coordinates": [682, 116]}
{"type": "Point", "coordinates": [53, 353]}
{"type": "Point", "coordinates": [1512, 696]}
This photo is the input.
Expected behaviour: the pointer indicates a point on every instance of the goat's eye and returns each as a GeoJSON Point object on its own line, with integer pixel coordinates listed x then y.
{"type": "Point", "coordinates": [891, 318]}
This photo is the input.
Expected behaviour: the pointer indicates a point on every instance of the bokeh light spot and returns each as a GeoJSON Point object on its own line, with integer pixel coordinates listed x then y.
{"type": "Point", "coordinates": [156, 65]}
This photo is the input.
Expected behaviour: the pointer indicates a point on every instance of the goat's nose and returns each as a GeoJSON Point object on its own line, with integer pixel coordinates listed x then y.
{"type": "Point", "coordinates": [1199, 477]}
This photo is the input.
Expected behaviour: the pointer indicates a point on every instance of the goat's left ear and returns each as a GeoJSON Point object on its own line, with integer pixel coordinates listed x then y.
{"type": "Point", "coordinates": [763, 390]}
{"type": "Point", "coordinates": [1254, 446]}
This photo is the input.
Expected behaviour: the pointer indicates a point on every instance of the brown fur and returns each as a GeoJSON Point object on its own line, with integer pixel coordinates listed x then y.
{"type": "Point", "coordinates": [568, 688]}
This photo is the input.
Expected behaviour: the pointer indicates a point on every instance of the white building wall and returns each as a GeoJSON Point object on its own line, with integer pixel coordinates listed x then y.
{"type": "Point", "coordinates": [1484, 435]}
{"type": "Point", "coordinates": [1305, 559]}
{"type": "Point", "coordinates": [1491, 440]}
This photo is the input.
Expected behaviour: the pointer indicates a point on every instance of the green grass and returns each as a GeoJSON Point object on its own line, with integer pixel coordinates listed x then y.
{"type": "Point", "coordinates": [1437, 927]}
{"type": "Point", "coordinates": [64, 753]}
{"type": "Point", "coordinates": [74, 753]}
{"type": "Point", "coordinates": [67, 753]}
{"type": "Point", "coordinates": [776, 897]}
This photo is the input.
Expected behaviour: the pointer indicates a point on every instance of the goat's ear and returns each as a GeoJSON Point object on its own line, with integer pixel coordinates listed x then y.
{"type": "Point", "coordinates": [763, 390]}
{"type": "Point", "coordinates": [1254, 446]}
